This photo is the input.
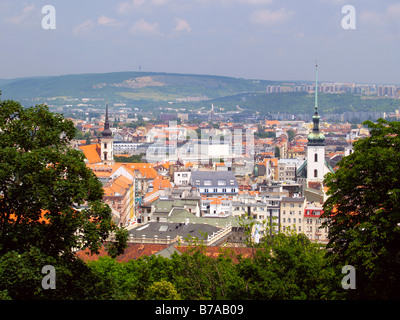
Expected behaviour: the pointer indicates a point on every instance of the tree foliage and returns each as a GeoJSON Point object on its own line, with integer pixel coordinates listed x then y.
{"type": "Point", "coordinates": [364, 212]}
{"type": "Point", "coordinates": [49, 198]}
{"type": "Point", "coordinates": [50, 202]}
{"type": "Point", "coordinates": [288, 266]}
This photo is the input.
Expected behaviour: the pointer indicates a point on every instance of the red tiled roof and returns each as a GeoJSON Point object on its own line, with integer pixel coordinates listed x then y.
{"type": "Point", "coordinates": [92, 152]}
{"type": "Point", "coordinates": [137, 250]}
{"type": "Point", "coordinates": [132, 252]}
{"type": "Point", "coordinates": [215, 252]}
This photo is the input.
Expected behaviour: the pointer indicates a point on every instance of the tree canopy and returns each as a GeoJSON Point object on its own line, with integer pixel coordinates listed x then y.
{"type": "Point", "coordinates": [49, 199]}
{"type": "Point", "coordinates": [363, 211]}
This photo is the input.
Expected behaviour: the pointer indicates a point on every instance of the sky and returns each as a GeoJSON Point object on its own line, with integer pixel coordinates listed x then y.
{"type": "Point", "coordinates": [253, 39]}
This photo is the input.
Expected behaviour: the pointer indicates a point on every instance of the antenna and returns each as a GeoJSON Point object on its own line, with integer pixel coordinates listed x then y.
{"type": "Point", "coordinates": [316, 86]}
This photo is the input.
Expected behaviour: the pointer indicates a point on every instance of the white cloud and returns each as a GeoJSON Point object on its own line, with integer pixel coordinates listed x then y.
{"type": "Point", "coordinates": [269, 17]}
{"type": "Point", "coordinates": [393, 11]}
{"type": "Point", "coordinates": [106, 21]}
{"type": "Point", "coordinates": [391, 15]}
{"type": "Point", "coordinates": [143, 27]}
{"type": "Point", "coordinates": [23, 15]}
{"type": "Point", "coordinates": [182, 25]}
{"type": "Point", "coordinates": [84, 27]}
{"type": "Point", "coordinates": [373, 18]}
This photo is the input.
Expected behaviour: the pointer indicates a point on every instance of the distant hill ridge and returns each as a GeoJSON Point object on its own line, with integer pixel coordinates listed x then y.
{"type": "Point", "coordinates": [129, 85]}
{"type": "Point", "coordinates": [158, 90]}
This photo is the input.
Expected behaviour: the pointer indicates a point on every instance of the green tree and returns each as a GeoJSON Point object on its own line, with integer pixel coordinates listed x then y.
{"type": "Point", "coordinates": [291, 134]}
{"type": "Point", "coordinates": [21, 278]}
{"type": "Point", "coordinates": [49, 199]}
{"type": "Point", "coordinates": [363, 212]}
{"type": "Point", "coordinates": [287, 266]}
{"type": "Point", "coordinates": [162, 290]}
{"type": "Point", "coordinates": [277, 152]}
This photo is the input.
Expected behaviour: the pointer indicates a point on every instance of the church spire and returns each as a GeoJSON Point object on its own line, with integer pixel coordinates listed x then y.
{"type": "Point", "coordinates": [316, 137]}
{"type": "Point", "coordinates": [316, 87]}
{"type": "Point", "coordinates": [107, 132]}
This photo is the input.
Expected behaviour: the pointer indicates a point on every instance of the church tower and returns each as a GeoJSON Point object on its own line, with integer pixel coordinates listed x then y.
{"type": "Point", "coordinates": [106, 142]}
{"type": "Point", "coordinates": [316, 168]}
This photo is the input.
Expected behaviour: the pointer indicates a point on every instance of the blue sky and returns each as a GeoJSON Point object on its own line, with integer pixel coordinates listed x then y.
{"type": "Point", "coordinates": [257, 39]}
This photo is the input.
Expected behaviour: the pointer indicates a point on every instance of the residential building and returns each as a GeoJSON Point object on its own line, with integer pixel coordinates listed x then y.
{"type": "Point", "coordinates": [211, 183]}
{"type": "Point", "coordinates": [182, 178]}
{"type": "Point", "coordinates": [287, 169]}
{"type": "Point", "coordinates": [312, 223]}
{"type": "Point", "coordinates": [292, 212]}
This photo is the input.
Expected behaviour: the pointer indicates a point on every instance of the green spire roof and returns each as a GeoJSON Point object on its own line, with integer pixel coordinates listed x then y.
{"type": "Point", "coordinates": [316, 137]}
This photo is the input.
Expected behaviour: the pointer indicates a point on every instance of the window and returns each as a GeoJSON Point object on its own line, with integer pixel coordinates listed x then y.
{"type": "Point", "coordinates": [315, 173]}
{"type": "Point", "coordinates": [294, 220]}
{"type": "Point", "coordinates": [223, 190]}
{"type": "Point", "coordinates": [105, 155]}
{"type": "Point", "coordinates": [316, 157]}
{"type": "Point", "coordinates": [206, 190]}
{"type": "Point", "coordinates": [233, 190]}
{"type": "Point", "coordinates": [221, 182]}
{"type": "Point", "coordinates": [105, 145]}
{"type": "Point", "coordinates": [284, 220]}
{"type": "Point", "coordinates": [207, 182]}
{"type": "Point", "coordinates": [215, 190]}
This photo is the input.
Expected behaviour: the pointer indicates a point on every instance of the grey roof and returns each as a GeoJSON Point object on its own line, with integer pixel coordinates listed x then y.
{"type": "Point", "coordinates": [249, 204]}
{"type": "Point", "coordinates": [214, 176]}
{"type": "Point", "coordinates": [291, 199]}
{"type": "Point", "coordinates": [168, 251]}
{"type": "Point", "coordinates": [165, 206]}
{"type": "Point", "coordinates": [180, 217]}
{"type": "Point", "coordinates": [164, 229]}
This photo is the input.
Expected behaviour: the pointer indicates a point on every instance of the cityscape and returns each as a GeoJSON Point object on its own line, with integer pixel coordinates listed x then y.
{"type": "Point", "coordinates": [214, 172]}
{"type": "Point", "coordinates": [219, 167]}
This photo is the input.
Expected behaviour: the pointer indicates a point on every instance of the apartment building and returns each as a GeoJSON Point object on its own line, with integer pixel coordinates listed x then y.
{"type": "Point", "coordinates": [212, 183]}
{"type": "Point", "coordinates": [287, 169]}
{"type": "Point", "coordinates": [292, 212]}
{"type": "Point", "coordinates": [312, 223]}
